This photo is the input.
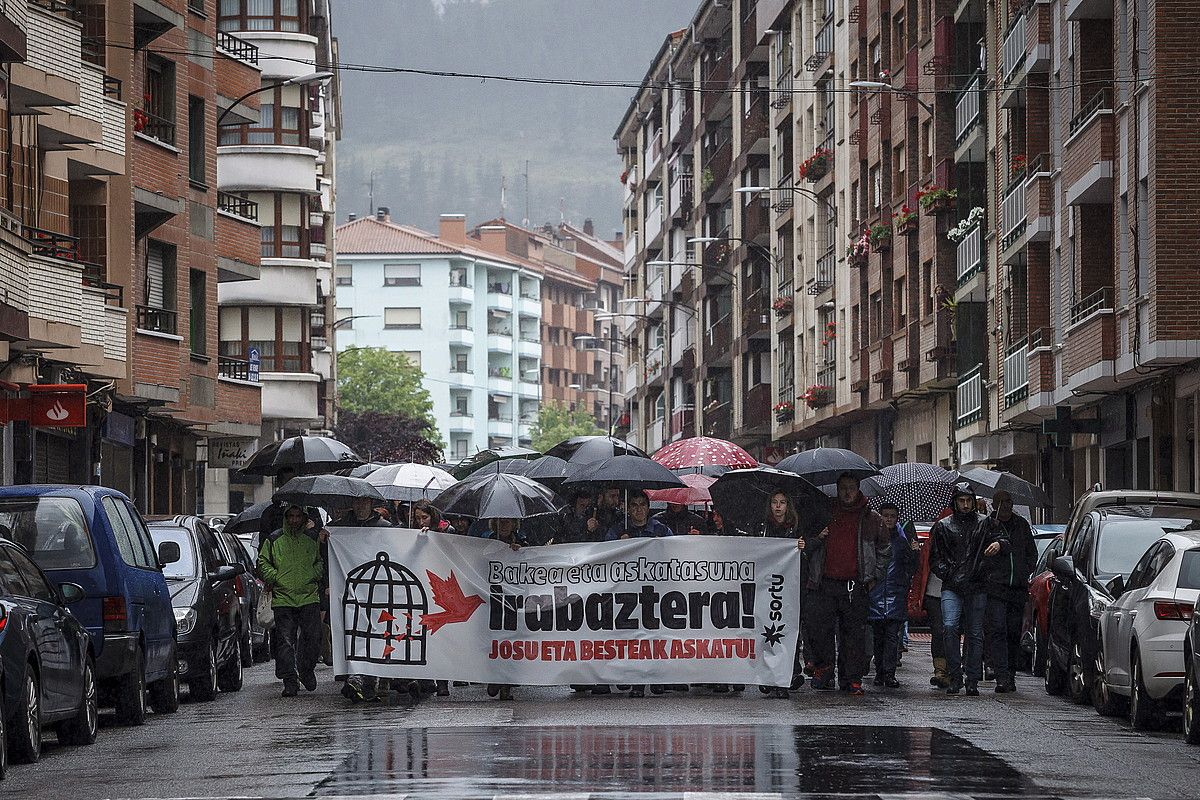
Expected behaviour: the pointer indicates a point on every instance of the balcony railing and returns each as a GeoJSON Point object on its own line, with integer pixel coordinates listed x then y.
{"type": "Point", "coordinates": [970, 254]}
{"type": "Point", "coordinates": [1013, 213]}
{"type": "Point", "coordinates": [51, 244]}
{"type": "Point", "coordinates": [827, 376]}
{"type": "Point", "coordinates": [826, 264]}
{"type": "Point", "coordinates": [94, 277]}
{"type": "Point", "coordinates": [237, 205]}
{"type": "Point", "coordinates": [1016, 374]}
{"type": "Point", "coordinates": [154, 126]}
{"type": "Point", "coordinates": [1100, 100]}
{"type": "Point", "coordinates": [239, 49]}
{"type": "Point", "coordinates": [232, 368]}
{"type": "Point", "coordinates": [1014, 47]}
{"type": "Point", "coordinates": [159, 320]}
{"type": "Point", "coordinates": [1099, 300]}
{"type": "Point", "coordinates": [822, 44]}
{"type": "Point", "coordinates": [970, 396]}
{"type": "Point", "coordinates": [966, 110]}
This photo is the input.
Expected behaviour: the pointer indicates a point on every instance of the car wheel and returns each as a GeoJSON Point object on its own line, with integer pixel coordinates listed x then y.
{"type": "Point", "coordinates": [164, 693]}
{"type": "Point", "coordinates": [204, 687]}
{"type": "Point", "coordinates": [230, 676]}
{"type": "Point", "coordinates": [25, 738]}
{"type": "Point", "coordinates": [131, 695]}
{"type": "Point", "coordinates": [1191, 706]}
{"type": "Point", "coordinates": [1106, 703]}
{"type": "Point", "coordinates": [1038, 659]}
{"type": "Point", "coordinates": [81, 730]}
{"type": "Point", "coordinates": [1077, 673]}
{"type": "Point", "coordinates": [1143, 710]}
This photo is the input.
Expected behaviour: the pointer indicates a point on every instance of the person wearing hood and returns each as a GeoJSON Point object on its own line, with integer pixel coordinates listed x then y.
{"type": "Point", "coordinates": [959, 543]}
{"type": "Point", "coordinates": [845, 561]}
{"type": "Point", "coordinates": [1007, 586]}
{"type": "Point", "coordinates": [889, 597]}
{"type": "Point", "coordinates": [290, 563]}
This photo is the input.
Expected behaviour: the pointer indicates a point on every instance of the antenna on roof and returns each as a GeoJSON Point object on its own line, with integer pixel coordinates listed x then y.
{"type": "Point", "coordinates": [503, 197]}
{"type": "Point", "coordinates": [371, 191]}
{"type": "Point", "coordinates": [525, 222]}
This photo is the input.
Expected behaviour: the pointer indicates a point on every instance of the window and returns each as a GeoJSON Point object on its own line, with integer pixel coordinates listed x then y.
{"type": "Point", "coordinates": [34, 580]}
{"type": "Point", "coordinates": [279, 334]}
{"type": "Point", "coordinates": [344, 275]}
{"type": "Point", "coordinates": [876, 189]}
{"type": "Point", "coordinates": [197, 165]}
{"type": "Point", "coordinates": [927, 150]}
{"type": "Point", "coordinates": [262, 15]}
{"type": "Point", "coordinates": [158, 312]}
{"type": "Point", "coordinates": [413, 356]}
{"type": "Point", "coordinates": [128, 543]}
{"type": "Point", "coordinates": [927, 280]}
{"type": "Point", "coordinates": [343, 318]}
{"type": "Point", "coordinates": [284, 219]}
{"type": "Point", "coordinates": [10, 579]}
{"type": "Point", "coordinates": [401, 274]}
{"type": "Point", "coordinates": [52, 529]}
{"type": "Point", "coordinates": [461, 321]}
{"type": "Point", "coordinates": [901, 308]}
{"type": "Point", "coordinates": [460, 363]}
{"type": "Point", "coordinates": [198, 311]}
{"type": "Point", "coordinates": [283, 119]}
{"type": "Point", "coordinates": [461, 406]}
{"type": "Point", "coordinates": [157, 118]}
{"type": "Point", "coordinates": [458, 277]}
{"type": "Point", "coordinates": [396, 318]}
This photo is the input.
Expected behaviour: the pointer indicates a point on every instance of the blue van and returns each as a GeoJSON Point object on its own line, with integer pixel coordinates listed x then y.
{"type": "Point", "coordinates": [92, 536]}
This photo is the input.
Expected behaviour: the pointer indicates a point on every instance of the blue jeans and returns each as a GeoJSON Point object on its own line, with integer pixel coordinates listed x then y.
{"type": "Point", "coordinates": [963, 614]}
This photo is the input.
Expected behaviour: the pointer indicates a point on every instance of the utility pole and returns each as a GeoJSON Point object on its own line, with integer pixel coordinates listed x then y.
{"type": "Point", "coordinates": [371, 191]}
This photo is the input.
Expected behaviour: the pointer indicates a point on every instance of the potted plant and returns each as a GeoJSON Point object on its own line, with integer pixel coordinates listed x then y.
{"type": "Point", "coordinates": [830, 334]}
{"type": "Point", "coordinates": [784, 411]}
{"type": "Point", "coordinates": [905, 221]}
{"type": "Point", "coordinates": [706, 179]}
{"type": "Point", "coordinates": [783, 305]}
{"type": "Point", "coordinates": [960, 231]}
{"type": "Point", "coordinates": [936, 199]}
{"type": "Point", "coordinates": [1018, 165]}
{"type": "Point", "coordinates": [880, 236]}
{"type": "Point", "coordinates": [816, 166]}
{"type": "Point", "coordinates": [817, 395]}
{"type": "Point", "coordinates": [858, 251]}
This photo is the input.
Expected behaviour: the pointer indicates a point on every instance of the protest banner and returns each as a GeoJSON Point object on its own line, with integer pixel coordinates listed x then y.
{"type": "Point", "coordinates": [686, 609]}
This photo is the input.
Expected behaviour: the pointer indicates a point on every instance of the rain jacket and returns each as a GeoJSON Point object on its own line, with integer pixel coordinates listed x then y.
{"type": "Point", "coordinates": [652, 528]}
{"type": "Point", "coordinates": [1007, 574]}
{"type": "Point", "coordinates": [290, 564]}
{"type": "Point", "coordinates": [889, 597]}
{"type": "Point", "coordinates": [957, 543]}
{"type": "Point", "coordinates": [873, 545]}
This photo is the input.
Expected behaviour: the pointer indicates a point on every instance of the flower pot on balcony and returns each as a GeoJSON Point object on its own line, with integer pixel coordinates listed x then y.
{"type": "Point", "coordinates": [907, 227]}
{"type": "Point", "coordinates": [940, 205]}
{"type": "Point", "coordinates": [857, 259]}
{"type": "Point", "coordinates": [820, 399]}
{"type": "Point", "coordinates": [784, 416]}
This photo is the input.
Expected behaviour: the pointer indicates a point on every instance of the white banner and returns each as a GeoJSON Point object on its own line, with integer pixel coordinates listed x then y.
{"type": "Point", "coordinates": [682, 609]}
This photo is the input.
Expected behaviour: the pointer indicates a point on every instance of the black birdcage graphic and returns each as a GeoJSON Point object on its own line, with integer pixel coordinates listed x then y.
{"type": "Point", "coordinates": [382, 608]}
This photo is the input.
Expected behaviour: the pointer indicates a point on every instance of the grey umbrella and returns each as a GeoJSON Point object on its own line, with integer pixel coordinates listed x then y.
{"type": "Point", "coordinates": [824, 465]}
{"type": "Point", "coordinates": [303, 455]}
{"type": "Point", "coordinates": [325, 490]}
{"type": "Point", "coordinates": [490, 495]}
{"type": "Point", "coordinates": [987, 482]}
{"type": "Point", "coordinates": [624, 472]}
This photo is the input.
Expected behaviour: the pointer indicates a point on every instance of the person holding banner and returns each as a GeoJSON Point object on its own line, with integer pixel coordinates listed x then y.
{"type": "Point", "coordinates": [361, 514]}
{"type": "Point", "coordinates": [426, 517]}
{"type": "Point", "coordinates": [782, 522]}
{"type": "Point", "coordinates": [637, 523]}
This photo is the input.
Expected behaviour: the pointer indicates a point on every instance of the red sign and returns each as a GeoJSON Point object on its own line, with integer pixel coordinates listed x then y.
{"type": "Point", "coordinates": [58, 405]}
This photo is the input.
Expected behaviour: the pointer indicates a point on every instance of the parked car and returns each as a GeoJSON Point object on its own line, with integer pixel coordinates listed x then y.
{"type": "Point", "coordinates": [1044, 534]}
{"type": "Point", "coordinates": [1036, 620]}
{"type": "Point", "coordinates": [1140, 666]}
{"type": "Point", "coordinates": [47, 671]}
{"type": "Point", "coordinates": [1104, 544]}
{"type": "Point", "coordinates": [264, 619]}
{"type": "Point", "coordinates": [207, 608]}
{"type": "Point", "coordinates": [1191, 679]}
{"type": "Point", "coordinates": [93, 537]}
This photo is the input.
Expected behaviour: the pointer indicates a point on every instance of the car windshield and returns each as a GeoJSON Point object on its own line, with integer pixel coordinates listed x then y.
{"type": "Point", "coordinates": [185, 567]}
{"type": "Point", "coordinates": [1189, 570]}
{"type": "Point", "coordinates": [1123, 540]}
{"type": "Point", "coordinates": [52, 529]}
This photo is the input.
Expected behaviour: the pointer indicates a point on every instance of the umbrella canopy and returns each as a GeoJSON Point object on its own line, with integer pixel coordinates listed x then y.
{"type": "Point", "coordinates": [248, 521]}
{"type": "Point", "coordinates": [704, 451]}
{"type": "Point", "coordinates": [824, 465]}
{"type": "Point", "coordinates": [325, 490]}
{"type": "Point", "coordinates": [868, 486]}
{"type": "Point", "coordinates": [987, 482]}
{"type": "Point", "coordinates": [711, 471]}
{"type": "Point", "coordinates": [548, 470]}
{"type": "Point", "coordinates": [624, 472]}
{"type": "Point", "coordinates": [741, 495]}
{"type": "Point", "coordinates": [306, 455]}
{"type": "Point", "coordinates": [492, 454]}
{"type": "Point", "coordinates": [496, 496]}
{"type": "Point", "coordinates": [695, 492]}
{"type": "Point", "coordinates": [362, 471]}
{"type": "Point", "coordinates": [410, 482]}
{"type": "Point", "coordinates": [920, 491]}
{"type": "Point", "coordinates": [586, 449]}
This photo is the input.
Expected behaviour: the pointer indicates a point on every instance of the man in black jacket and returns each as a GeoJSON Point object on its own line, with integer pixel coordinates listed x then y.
{"type": "Point", "coordinates": [960, 542]}
{"type": "Point", "coordinates": [1006, 586]}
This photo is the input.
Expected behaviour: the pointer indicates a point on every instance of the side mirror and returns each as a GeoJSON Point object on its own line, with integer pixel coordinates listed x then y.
{"type": "Point", "coordinates": [1116, 586]}
{"type": "Point", "coordinates": [239, 568]}
{"type": "Point", "coordinates": [1063, 568]}
{"type": "Point", "coordinates": [70, 593]}
{"type": "Point", "coordinates": [168, 553]}
{"type": "Point", "coordinates": [224, 572]}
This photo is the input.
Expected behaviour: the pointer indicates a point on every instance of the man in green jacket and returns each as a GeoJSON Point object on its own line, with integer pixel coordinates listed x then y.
{"type": "Point", "coordinates": [289, 562]}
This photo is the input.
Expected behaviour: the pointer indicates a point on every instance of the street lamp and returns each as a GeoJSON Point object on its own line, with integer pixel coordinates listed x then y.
{"type": "Point", "coordinates": [612, 340]}
{"type": "Point", "coordinates": [766, 251]}
{"type": "Point", "coordinates": [880, 86]}
{"type": "Point", "coordinates": [765, 191]}
{"type": "Point", "coordinates": [299, 80]}
{"type": "Point", "coordinates": [701, 265]}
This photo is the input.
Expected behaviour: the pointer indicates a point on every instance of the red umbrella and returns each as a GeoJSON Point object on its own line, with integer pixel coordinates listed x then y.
{"type": "Point", "coordinates": [694, 493]}
{"type": "Point", "coordinates": [703, 451]}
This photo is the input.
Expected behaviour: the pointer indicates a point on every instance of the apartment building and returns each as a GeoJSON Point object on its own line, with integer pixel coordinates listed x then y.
{"type": "Point", "coordinates": [276, 174]}
{"type": "Point", "coordinates": [110, 249]}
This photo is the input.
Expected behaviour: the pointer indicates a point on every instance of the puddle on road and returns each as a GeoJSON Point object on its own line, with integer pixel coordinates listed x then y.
{"type": "Point", "coordinates": [855, 760]}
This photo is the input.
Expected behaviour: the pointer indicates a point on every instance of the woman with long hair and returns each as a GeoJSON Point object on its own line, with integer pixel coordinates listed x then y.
{"type": "Point", "coordinates": [781, 521]}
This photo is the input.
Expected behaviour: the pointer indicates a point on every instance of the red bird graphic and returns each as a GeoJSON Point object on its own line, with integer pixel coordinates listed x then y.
{"type": "Point", "coordinates": [447, 594]}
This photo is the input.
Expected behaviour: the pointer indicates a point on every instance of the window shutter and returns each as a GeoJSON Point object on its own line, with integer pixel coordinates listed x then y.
{"type": "Point", "coordinates": [155, 276]}
{"type": "Point", "coordinates": [402, 317]}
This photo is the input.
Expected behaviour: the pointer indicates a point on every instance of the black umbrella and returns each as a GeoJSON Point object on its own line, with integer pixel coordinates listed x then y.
{"type": "Point", "coordinates": [249, 520]}
{"type": "Point", "coordinates": [623, 472]}
{"type": "Point", "coordinates": [305, 455]}
{"type": "Point", "coordinates": [491, 455]}
{"type": "Point", "coordinates": [826, 464]}
{"type": "Point", "coordinates": [325, 490]}
{"type": "Point", "coordinates": [741, 495]}
{"type": "Point", "coordinates": [586, 449]}
{"type": "Point", "coordinates": [869, 488]}
{"type": "Point", "coordinates": [548, 470]}
{"type": "Point", "coordinates": [496, 496]}
{"type": "Point", "coordinates": [511, 466]}
{"type": "Point", "coordinates": [987, 482]}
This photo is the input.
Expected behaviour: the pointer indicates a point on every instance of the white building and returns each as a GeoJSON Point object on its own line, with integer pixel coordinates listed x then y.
{"type": "Point", "coordinates": [469, 318]}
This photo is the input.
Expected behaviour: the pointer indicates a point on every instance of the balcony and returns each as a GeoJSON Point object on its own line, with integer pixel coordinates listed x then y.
{"type": "Point", "coordinates": [716, 97]}
{"type": "Point", "coordinates": [718, 420]}
{"type": "Point", "coordinates": [55, 296]}
{"type": "Point", "coordinates": [499, 341]}
{"type": "Point", "coordinates": [14, 19]}
{"type": "Point", "coordinates": [970, 255]}
{"type": "Point", "coordinates": [632, 238]}
{"type": "Point", "coordinates": [756, 127]}
{"type": "Point", "coordinates": [823, 45]}
{"type": "Point", "coordinates": [652, 225]}
{"type": "Point", "coordinates": [266, 167]}
{"type": "Point", "coordinates": [970, 397]}
{"type": "Point", "coordinates": [716, 167]}
{"type": "Point", "coordinates": [461, 376]}
{"type": "Point", "coordinates": [291, 396]}
{"type": "Point", "coordinates": [499, 296]}
{"type": "Point", "coordinates": [718, 338]}
{"type": "Point", "coordinates": [633, 378]}
{"type": "Point", "coordinates": [461, 335]}
{"type": "Point", "coordinates": [1088, 153]}
{"type": "Point", "coordinates": [283, 282]}
{"type": "Point", "coordinates": [234, 47]}
{"type": "Point", "coordinates": [1012, 220]}
{"type": "Point", "coordinates": [968, 130]}
{"type": "Point", "coordinates": [679, 196]}
{"type": "Point", "coordinates": [654, 151]}
{"type": "Point", "coordinates": [282, 54]}
{"type": "Point", "coordinates": [500, 380]}
{"type": "Point", "coordinates": [683, 422]}
{"type": "Point", "coordinates": [1091, 339]}
{"type": "Point", "coordinates": [500, 426]}
{"type": "Point", "coordinates": [826, 272]}
{"type": "Point", "coordinates": [529, 346]}
{"type": "Point", "coordinates": [1016, 374]}
{"type": "Point", "coordinates": [756, 407]}
{"type": "Point", "coordinates": [1039, 200]}
{"type": "Point", "coordinates": [105, 154]}
{"type": "Point", "coordinates": [1012, 60]}
{"type": "Point", "coordinates": [51, 72]}
{"type": "Point", "coordinates": [529, 305]}
{"type": "Point", "coordinates": [461, 422]}
{"type": "Point", "coordinates": [1039, 37]}
{"type": "Point", "coordinates": [654, 365]}
{"type": "Point", "coordinates": [157, 320]}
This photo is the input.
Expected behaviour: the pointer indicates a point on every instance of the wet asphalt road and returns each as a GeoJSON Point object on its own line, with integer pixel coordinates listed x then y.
{"type": "Point", "coordinates": [911, 743]}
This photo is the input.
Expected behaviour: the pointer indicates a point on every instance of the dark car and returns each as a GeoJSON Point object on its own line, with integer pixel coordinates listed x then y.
{"type": "Point", "coordinates": [207, 609]}
{"type": "Point", "coordinates": [1105, 544]}
{"type": "Point", "coordinates": [250, 591]}
{"type": "Point", "coordinates": [1191, 679]}
{"type": "Point", "coordinates": [93, 537]}
{"type": "Point", "coordinates": [47, 671]}
{"type": "Point", "coordinates": [1037, 606]}
{"type": "Point", "coordinates": [264, 618]}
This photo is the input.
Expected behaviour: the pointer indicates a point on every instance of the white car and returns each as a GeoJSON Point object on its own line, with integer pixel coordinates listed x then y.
{"type": "Point", "coordinates": [1140, 663]}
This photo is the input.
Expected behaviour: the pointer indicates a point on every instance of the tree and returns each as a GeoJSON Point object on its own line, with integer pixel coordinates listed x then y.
{"type": "Point", "coordinates": [557, 422]}
{"type": "Point", "coordinates": [378, 436]}
{"type": "Point", "coordinates": [377, 379]}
